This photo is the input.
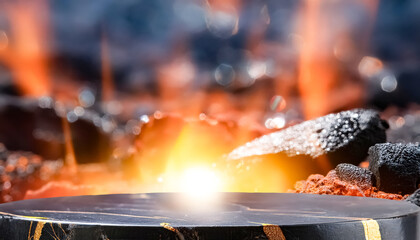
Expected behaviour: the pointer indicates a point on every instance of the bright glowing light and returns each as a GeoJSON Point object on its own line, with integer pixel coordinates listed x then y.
{"type": "Point", "coordinates": [275, 122]}
{"type": "Point", "coordinates": [144, 118]}
{"type": "Point", "coordinates": [257, 69]}
{"type": "Point", "coordinates": [200, 182]}
{"type": "Point", "coordinates": [201, 187]}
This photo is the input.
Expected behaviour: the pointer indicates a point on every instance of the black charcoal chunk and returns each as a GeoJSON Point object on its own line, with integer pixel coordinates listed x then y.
{"type": "Point", "coordinates": [342, 137]}
{"type": "Point", "coordinates": [35, 125]}
{"type": "Point", "coordinates": [395, 166]}
{"type": "Point", "coordinates": [350, 173]}
{"type": "Point", "coordinates": [414, 198]}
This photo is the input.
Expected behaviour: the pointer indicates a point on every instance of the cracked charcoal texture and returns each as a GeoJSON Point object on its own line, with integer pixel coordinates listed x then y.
{"type": "Point", "coordinates": [350, 173]}
{"type": "Point", "coordinates": [341, 137]}
{"type": "Point", "coordinates": [395, 166]}
{"type": "Point", "coordinates": [414, 198]}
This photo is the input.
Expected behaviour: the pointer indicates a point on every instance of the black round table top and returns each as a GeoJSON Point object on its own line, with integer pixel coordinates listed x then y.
{"type": "Point", "coordinates": [170, 211]}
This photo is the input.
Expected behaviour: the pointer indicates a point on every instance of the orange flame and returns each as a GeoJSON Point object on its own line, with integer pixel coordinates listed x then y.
{"type": "Point", "coordinates": [107, 79]}
{"type": "Point", "coordinates": [26, 53]}
{"type": "Point", "coordinates": [316, 75]}
{"type": "Point", "coordinates": [319, 82]}
{"type": "Point", "coordinates": [70, 158]}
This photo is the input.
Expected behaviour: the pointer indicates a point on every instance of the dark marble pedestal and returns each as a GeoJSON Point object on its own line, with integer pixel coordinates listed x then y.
{"type": "Point", "coordinates": [234, 216]}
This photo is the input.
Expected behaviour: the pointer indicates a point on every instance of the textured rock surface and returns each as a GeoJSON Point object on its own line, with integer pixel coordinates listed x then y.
{"type": "Point", "coordinates": [414, 198]}
{"type": "Point", "coordinates": [342, 137]}
{"type": "Point", "coordinates": [361, 177]}
{"type": "Point", "coordinates": [331, 184]}
{"type": "Point", "coordinates": [395, 166]}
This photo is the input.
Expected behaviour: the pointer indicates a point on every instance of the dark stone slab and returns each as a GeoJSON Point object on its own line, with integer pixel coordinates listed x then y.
{"type": "Point", "coordinates": [237, 216]}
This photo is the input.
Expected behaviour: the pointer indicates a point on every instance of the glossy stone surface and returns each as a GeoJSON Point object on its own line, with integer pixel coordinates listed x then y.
{"type": "Point", "coordinates": [235, 216]}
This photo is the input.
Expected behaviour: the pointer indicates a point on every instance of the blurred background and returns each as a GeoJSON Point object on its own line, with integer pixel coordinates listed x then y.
{"type": "Point", "coordinates": [124, 78]}
{"type": "Point", "coordinates": [317, 56]}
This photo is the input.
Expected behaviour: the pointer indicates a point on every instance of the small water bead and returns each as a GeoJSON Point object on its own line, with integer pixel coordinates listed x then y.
{"type": "Point", "coordinates": [86, 98]}
{"type": "Point", "coordinates": [72, 117]}
{"type": "Point", "coordinates": [45, 102]}
{"type": "Point", "coordinates": [224, 74]}
{"type": "Point", "coordinates": [79, 111]}
{"type": "Point", "coordinates": [277, 103]}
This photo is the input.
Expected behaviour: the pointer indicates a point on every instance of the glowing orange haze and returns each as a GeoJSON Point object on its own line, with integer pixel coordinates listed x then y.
{"type": "Point", "coordinates": [26, 53]}
{"type": "Point", "coordinates": [319, 79]}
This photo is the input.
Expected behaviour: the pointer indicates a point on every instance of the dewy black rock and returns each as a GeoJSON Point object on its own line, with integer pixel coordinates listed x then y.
{"type": "Point", "coordinates": [395, 166]}
{"type": "Point", "coordinates": [355, 175]}
{"type": "Point", "coordinates": [343, 137]}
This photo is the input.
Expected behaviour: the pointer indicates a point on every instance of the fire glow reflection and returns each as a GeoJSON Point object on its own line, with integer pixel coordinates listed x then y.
{"type": "Point", "coordinates": [201, 187]}
{"type": "Point", "coordinates": [201, 183]}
